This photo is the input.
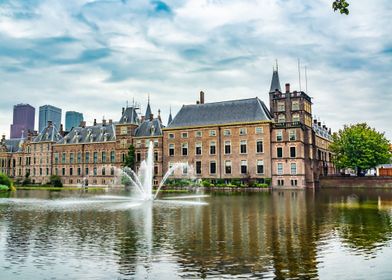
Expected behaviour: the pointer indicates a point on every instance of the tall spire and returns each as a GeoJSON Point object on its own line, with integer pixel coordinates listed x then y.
{"type": "Point", "coordinates": [275, 84]}
{"type": "Point", "coordinates": [148, 110]}
{"type": "Point", "coordinates": [170, 117]}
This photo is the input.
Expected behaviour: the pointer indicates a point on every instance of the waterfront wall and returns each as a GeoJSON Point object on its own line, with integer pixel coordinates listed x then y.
{"type": "Point", "coordinates": [355, 182]}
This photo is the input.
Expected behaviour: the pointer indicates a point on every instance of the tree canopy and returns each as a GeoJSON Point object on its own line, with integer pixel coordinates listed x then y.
{"type": "Point", "coordinates": [341, 6]}
{"type": "Point", "coordinates": [360, 147]}
{"type": "Point", "coordinates": [130, 157]}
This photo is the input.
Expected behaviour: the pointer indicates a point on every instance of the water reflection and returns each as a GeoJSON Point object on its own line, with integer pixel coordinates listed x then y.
{"type": "Point", "coordinates": [280, 235]}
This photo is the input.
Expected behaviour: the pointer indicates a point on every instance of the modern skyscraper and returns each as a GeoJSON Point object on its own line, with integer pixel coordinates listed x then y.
{"type": "Point", "coordinates": [72, 119]}
{"type": "Point", "coordinates": [24, 115]}
{"type": "Point", "coordinates": [49, 113]}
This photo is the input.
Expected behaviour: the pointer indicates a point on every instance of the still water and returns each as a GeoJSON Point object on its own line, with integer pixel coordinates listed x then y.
{"type": "Point", "coordinates": [324, 234]}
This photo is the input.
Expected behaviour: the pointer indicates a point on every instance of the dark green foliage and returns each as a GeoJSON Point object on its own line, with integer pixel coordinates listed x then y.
{"type": "Point", "coordinates": [206, 183]}
{"type": "Point", "coordinates": [341, 6]}
{"type": "Point", "coordinates": [130, 157]}
{"type": "Point", "coordinates": [26, 180]}
{"type": "Point", "coordinates": [268, 181]}
{"type": "Point", "coordinates": [360, 147]}
{"type": "Point", "coordinates": [5, 180]}
{"type": "Point", "coordinates": [55, 181]}
{"type": "Point", "coordinates": [4, 188]}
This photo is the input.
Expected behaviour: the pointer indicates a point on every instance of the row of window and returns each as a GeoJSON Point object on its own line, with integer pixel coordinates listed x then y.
{"type": "Point", "coordinates": [279, 152]}
{"type": "Point", "coordinates": [292, 135]}
{"type": "Point", "coordinates": [71, 158]}
{"type": "Point", "coordinates": [293, 168]}
{"type": "Point", "coordinates": [138, 143]}
{"type": "Point", "coordinates": [212, 148]}
{"type": "Point", "coordinates": [228, 169]}
{"type": "Point", "coordinates": [294, 106]}
{"type": "Point", "coordinates": [294, 118]}
{"type": "Point", "coordinates": [293, 182]}
{"type": "Point", "coordinates": [103, 171]}
{"type": "Point", "coordinates": [212, 132]}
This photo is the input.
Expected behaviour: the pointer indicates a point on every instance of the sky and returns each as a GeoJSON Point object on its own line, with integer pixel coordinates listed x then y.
{"type": "Point", "coordinates": [94, 56]}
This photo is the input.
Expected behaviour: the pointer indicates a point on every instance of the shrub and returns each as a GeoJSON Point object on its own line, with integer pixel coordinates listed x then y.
{"type": "Point", "coordinates": [5, 180]}
{"type": "Point", "coordinates": [206, 183]}
{"type": "Point", "coordinates": [55, 181]}
{"type": "Point", "coordinates": [236, 183]}
{"type": "Point", "coordinates": [261, 185]}
{"type": "Point", "coordinates": [268, 181]}
{"type": "Point", "coordinates": [4, 188]}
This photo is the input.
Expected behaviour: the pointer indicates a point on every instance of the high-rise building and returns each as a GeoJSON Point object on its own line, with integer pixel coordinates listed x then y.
{"type": "Point", "coordinates": [49, 113]}
{"type": "Point", "coordinates": [72, 119]}
{"type": "Point", "coordinates": [23, 120]}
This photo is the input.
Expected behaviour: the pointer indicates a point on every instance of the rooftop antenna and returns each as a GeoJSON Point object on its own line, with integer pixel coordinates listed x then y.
{"type": "Point", "coordinates": [126, 104]}
{"type": "Point", "coordinates": [299, 74]}
{"type": "Point", "coordinates": [276, 63]}
{"type": "Point", "coordinates": [306, 80]}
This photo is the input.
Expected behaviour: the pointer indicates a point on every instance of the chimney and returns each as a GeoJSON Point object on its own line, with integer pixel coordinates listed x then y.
{"type": "Point", "coordinates": [103, 122]}
{"type": "Point", "coordinates": [324, 126]}
{"type": "Point", "coordinates": [287, 88]}
{"type": "Point", "coordinates": [82, 124]}
{"type": "Point", "coordinates": [49, 123]}
{"type": "Point", "coordinates": [201, 97]}
{"type": "Point", "coordinates": [123, 110]}
{"type": "Point", "coordinates": [319, 123]}
{"type": "Point", "coordinates": [2, 138]}
{"type": "Point", "coordinates": [95, 122]}
{"type": "Point", "coordinates": [110, 121]}
{"type": "Point", "coordinates": [151, 117]}
{"type": "Point", "coordinates": [315, 121]}
{"type": "Point", "coordinates": [329, 131]}
{"type": "Point", "coordinates": [197, 102]}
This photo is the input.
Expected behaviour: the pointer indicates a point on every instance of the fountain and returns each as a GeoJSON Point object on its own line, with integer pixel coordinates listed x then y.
{"type": "Point", "coordinates": [143, 180]}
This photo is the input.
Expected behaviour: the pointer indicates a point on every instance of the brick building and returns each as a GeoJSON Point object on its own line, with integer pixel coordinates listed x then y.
{"type": "Point", "coordinates": [235, 139]}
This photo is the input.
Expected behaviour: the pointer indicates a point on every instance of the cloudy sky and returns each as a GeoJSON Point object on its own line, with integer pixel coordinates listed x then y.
{"type": "Point", "coordinates": [93, 56]}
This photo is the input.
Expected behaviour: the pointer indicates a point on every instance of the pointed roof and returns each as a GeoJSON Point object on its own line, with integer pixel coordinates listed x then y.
{"type": "Point", "coordinates": [275, 84]}
{"type": "Point", "coordinates": [148, 110]}
{"type": "Point", "coordinates": [170, 118]}
{"type": "Point", "coordinates": [129, 116]}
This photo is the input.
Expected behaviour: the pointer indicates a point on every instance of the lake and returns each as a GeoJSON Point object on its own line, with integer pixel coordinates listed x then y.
{"type": "Point", "coordinates": [313, 234]}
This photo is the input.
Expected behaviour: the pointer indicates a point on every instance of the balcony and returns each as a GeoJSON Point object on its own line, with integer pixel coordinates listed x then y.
{"type": "Point", "coordinates": [288, 125]}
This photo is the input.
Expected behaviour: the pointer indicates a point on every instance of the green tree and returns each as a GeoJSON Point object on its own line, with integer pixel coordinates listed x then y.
{"type": "Point", "coordinates": [360, 147]}
{"type": "Point", "coordinates": [55, 181]}
{"type": "Point", "coordinates": [130, 157]}
{"type": "Point", "coordinates": [5, 180]}
{"type": "Point", "coordinates": [341, 6]}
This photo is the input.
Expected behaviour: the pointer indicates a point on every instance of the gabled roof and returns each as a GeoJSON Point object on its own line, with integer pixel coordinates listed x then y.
{"type": "Point", "coordinates": [48, 134]}
{"type": "Point", "coordinates": [275, 84]}
{"type": "Point", "coordinates": [233, 111]}
{"type": "Point", "coordinates": [149, 128]}
{"type": "Point", "coordinates": [129, 116]}
{"type": "Point", "coordinates": [90, 134]}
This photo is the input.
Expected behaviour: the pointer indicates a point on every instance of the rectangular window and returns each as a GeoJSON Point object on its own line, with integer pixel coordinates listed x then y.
{"type": "Point", "coordinates": [279, 135]}
{"type": "Point", "coordinates": [281, 107]}
{"type": "Point", "coordinates": [293, 169]}
{"type": "Point", "coordinates": [138, 143]}
{"type": "Point", "coordinates": [279, 152]}
{"type": "Point", "coordinates": [103, 157]}
{"type": "Point", "coordinates": [294, 183]}
{"type": "Point", "coordinates": [86, 171]}
{"type": "Point", "coordinates": [112, 171]}
{"type": "Point", "coordinates": [112, 156]}
{"type": "Point", "coordinates": [184, 149]}
{"type": "Point", "coordinates": [212, 132]}
{"type": "Point", "coordinates": [156, 143]}
{"type": "Point", "coordinates": [71, 171]}
{"type": "Point", "coordinates": [280, 168]}
{"type": "Point", "coordinates": [295, 105]}
{"type": "Point", "coordinates": [243, 147]}
{"type": "Point", "coordinates": [63, 171]}
{"type": "Point", "coordinates": [171, 135]}
{"type": "Point", "coordinates": [295, 118]}
{"type": "Point", "coordinates": [171, 150]}
{"type": "Point", "coordinates": [228, 167]}
{"type": "Point", "coordinates": [79, 157]}
{"type": "Point", "coordinates": [244, 167]}
{"type": "Point", "coordinates": [292, 135]}
{"type": "Point", "coordinates": [281, 118]}
{"type": "Point", "coordinates": [95, 171]}
{"type": "Point", "coordinates": [259, 146]}
{"type": "Point", "coordinates": [103, 171]}
{"type": "Point", "coordinates": [63, 156]}
{"type": "Point", "coordinates": [185, 169]}
{"type": "Point", "coordinates": [227, 147]}
{"type": "Point", "coordinates": [79, 171]}
{"type": "Point", "coordinates": [95, 155]}
{"type": "Point", "coordinates": [259, 130]}
{"type": "Point", "coordinates": [156, 170]}
{"type": "Point", "coordinates": [227, 132]}
{"type": "Point", "coordinates": [87, 155]}
{"type": "Point", "coordinates": [56, 171]}
{"type": "Point", "coordinates": [260, 167]}
{"type": "Point", "coordinates": [293, 152]}
{"type": "Point", "coordinates": [184, 135]}
{"type": "Point", "coordinates": [56, 158]}
{"type": "Point", "coordinates": [242, 131]}
{"type": "Point", "coordinates": [280, 182]}
{"type": "Point", "coordinates": [198, 148]}
{"type": "Point", "coordinates": [156, 155]}
{"type": "Point", "coordinates": [198, 167]}
{"type": "Point", "coordinates": [212, 167]}
{"type": "Point", "coordinates": [124, 130]}
{"type": "Point", "coordinates": [198, 133]}
{"type": "Point", "coordinates": [212, 148]}
{"type": "Point", "coordinates": [138, 157]}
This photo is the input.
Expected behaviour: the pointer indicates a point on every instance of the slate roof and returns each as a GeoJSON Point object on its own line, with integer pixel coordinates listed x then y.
{"type": "Point", "coordinates": [233, 111]}
{"type": "Point", "coordinates": [90, 134]}
{"type": "Point", "coordinates": [129, 116]}
{"type": "Point", "coordinates": [149, 128]}
{"type": "Point", "coordinates": [148, 110]}
{"type": "Point", "coordinates": [49, 133]}
{"type": "Point", "coordinates": [321, 132]}
{"type": "Point", "coordinates": [14, 145]}
{"type": "Point", "coordinates": [275, 84]}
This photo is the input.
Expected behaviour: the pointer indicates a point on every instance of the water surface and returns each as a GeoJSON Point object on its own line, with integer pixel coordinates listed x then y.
{"type": "Point", "coordinates": [326, 234]}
